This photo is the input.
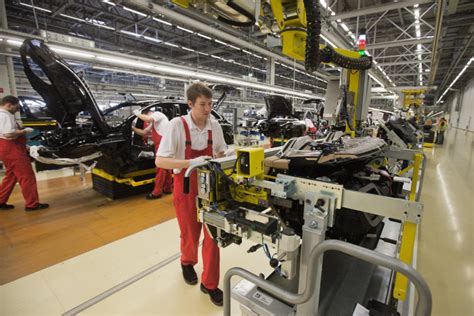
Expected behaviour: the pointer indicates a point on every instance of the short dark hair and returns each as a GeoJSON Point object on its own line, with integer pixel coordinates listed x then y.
{"type": "Point", "coordinates": [196, 90]}
{"type": "Point", "coordinates": [10, 99]}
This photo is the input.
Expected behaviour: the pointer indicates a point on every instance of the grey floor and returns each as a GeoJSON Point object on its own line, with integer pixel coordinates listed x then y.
{"type": "Point", "coordinates": [446, 244]}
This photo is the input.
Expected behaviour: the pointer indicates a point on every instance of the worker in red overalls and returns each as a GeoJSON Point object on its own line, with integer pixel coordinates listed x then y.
{"type": "Point", "coordinates": [157, 125]}
{"type": "Point", "coordinates": [15, 158]}
{"type": "Point", "coordinates": [190, 140]}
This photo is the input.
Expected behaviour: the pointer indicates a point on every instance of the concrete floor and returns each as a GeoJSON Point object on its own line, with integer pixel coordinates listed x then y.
{"type": "Point", "coordinates": [446, 243]}
{"type": "Point", "coordinates": [445, 257]}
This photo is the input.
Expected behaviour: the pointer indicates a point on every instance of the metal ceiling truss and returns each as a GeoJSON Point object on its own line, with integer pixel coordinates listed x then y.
{"type": "Point", "coordinates": [401, 36]}
{"type": "Point", "coordinates": [131, 27]}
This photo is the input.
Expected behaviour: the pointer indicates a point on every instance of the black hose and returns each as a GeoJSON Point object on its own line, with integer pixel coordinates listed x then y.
{"type": "Point", "coordinates": [313, 32]}
{"type": "Point", "coordinates": [313, 56]}
{"type": "Point", "coordinates": [239, 9]}
{"type": "Point", "coordinates": [328, 54]}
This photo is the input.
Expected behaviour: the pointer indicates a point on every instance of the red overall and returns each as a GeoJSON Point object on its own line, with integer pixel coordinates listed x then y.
{"type": "Point", "coordinates": [185, 205]}
{"type": "Point", "coordinates": [163, 180]}
{"type": "Point", "coordinates": [145, 137]}
{"type": "Point", "coordinates": [18, 169]}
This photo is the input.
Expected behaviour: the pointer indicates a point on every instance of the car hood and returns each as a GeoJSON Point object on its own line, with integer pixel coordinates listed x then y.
{"type": "Point", "coordinates": [66, 94]}
{"type": "Point", "coordinates": [278, 106]}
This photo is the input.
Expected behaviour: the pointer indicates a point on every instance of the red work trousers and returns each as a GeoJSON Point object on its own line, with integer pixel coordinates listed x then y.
{"type": "Point", "coordinates": [186, 213]}
{"type": "Point", "coordinates": [17, 169]}
{"type": "Point", "coordinates": [163, 179]}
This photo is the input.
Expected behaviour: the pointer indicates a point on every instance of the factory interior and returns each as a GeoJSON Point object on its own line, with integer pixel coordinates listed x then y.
{"type": "Point", "coordinates": [237, 157]}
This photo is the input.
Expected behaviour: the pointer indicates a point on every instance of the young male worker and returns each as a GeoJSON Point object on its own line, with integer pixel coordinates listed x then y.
{"type": "Point", "coordinates": [190, 140]}
{"type": "Point", "coordinates": [14, 155]}
{"type": "Point", "coordinates": [158, 125]}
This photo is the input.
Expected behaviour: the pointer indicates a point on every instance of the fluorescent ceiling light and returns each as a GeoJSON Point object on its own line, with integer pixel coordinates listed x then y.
{"type": "Point", "coordinates": [90, 21]}
{"type": "Point", "coordinates": [72, 17]}
{"type": "Point", "coordinates": [152, 39]}
{"type": "Point", "coordinates": [35, 7]}
{"type": "Point", "coordinates": [376, 80]}
{"type": "Point", "coordinates": [130, 33]}
{"type": "Point", "coordinates": [185, 29]}
{"type": "Point", "coordinates": [323, 3]}
{"type": "Point", "coordinates": [171, 44]}
{"type": "Point", "coordinates": [69, 52]}
{"type": "Point", "coordinates": [234, 47]}
{"type": "Point", "coordinates": [220, 42]}
{"type": "Point", "coordinates": [162, 21]}
{"type": "Point", "coordinates": [109, 2]}
{"type": "Point", "coordinates": [456, 79]}
{"type": "Point", "coordinates": [14, 42]}
{"type": "Point", "coordinates": [127, 62]}
{"type": "Point", "coordinates": [188, 49]}
{"type": "Point", "coordinates": [344, 27]}
{"type": "Point", "coordinates": [138, 73]}
{"type": "Point", "coordinates": [417, 13]}
{"type": "Point", "coordinates": [328, 41]}
{"type": "Point", "coordinates": [133, 11]}
{"type": "Point", "coordinates": [104, 26]}
{"type": "Point", "coordinates": [203, 36]}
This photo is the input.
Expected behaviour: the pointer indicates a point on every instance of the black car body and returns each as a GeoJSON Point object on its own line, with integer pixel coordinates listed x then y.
{"type": "Point", "coordinates": [66, 95]}
{"type": "Point", "coordinates": [281, 122]}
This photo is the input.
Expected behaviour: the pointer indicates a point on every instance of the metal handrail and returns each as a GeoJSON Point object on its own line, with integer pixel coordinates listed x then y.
{"type": "Point", "coordinates": [424, 303]}
{"type": "Point", "coordinates": [187, 175]}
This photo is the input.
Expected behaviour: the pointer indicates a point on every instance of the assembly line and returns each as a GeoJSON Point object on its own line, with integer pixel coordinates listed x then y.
{"type": "Point", "coordinates": [244, 157]}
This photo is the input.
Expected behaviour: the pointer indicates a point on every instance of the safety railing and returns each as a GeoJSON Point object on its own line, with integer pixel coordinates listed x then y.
{"type": "Point", "coordinates": [425, 300]}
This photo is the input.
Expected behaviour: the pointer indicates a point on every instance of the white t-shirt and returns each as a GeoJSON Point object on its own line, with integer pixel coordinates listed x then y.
{"type": "Point", "coordinates": [7, 123]}
{"type": "Point", "coordinates": [173, 142]}
{"type": "Point", "coordinates": [160, 122]}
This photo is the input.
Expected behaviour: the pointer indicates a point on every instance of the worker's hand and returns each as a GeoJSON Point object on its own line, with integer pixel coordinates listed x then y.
{"type": "Point", "coordinates": [28, 130]}
{"type": "Point", "coordinates": [198, 160]}
{"type": "Point", "coordinates": [137, 112]}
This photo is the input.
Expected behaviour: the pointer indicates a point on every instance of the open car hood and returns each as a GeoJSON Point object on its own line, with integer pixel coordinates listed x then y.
{"type": "Point", "coordinates": [66, 94]}
{"type": "Point", "coordinates": [278, 106]}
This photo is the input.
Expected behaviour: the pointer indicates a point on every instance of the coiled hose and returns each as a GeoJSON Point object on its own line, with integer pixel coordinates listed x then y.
{"type": "Point", "coordinates": [314, 56]}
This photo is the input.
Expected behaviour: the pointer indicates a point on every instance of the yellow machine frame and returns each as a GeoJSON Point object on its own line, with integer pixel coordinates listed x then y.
{"type": "Point", "coordinates": [411, 97]}
{"type": "Point", "coordinates": [128, 178]}
{"type": "Point", "coordinates": [408, 235]}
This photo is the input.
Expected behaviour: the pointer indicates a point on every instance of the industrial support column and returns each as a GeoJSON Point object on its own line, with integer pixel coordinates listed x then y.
{"type": "Point", "coordinates": [6, 63]}
{"type": "Point", "coordinates": [271, 71]}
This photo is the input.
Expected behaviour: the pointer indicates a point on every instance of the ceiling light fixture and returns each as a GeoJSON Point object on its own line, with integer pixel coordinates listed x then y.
{"type": "Point", "coordinates": [163, 22]}
{"type": "Point", "coordinates": [184, 29]}
{"type": "Point", "coordinates": [69, 52]}
{"type": "Point", "coordinates": [204, 36]}
{"type": "Point", "coordinates": [456, 79]}
{"type": "Point", "coordinates": [109, 2]}
{"type": "Point", "coordinates": [35, 7]}
{"type": "Point", "coordinates": [134, 11]}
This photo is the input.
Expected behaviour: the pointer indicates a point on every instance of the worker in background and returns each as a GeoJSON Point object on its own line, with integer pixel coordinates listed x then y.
{"type": "Point", "coordinates": [157, 125]}
{"type": "Point", "coordinates": [146, 129]}
{"type": "Point", "coordinates": [13, 153]}
{"type": "Point", "coordinates": [442, 125]}
{"type": "Point", "coordinates": [191, 140]}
